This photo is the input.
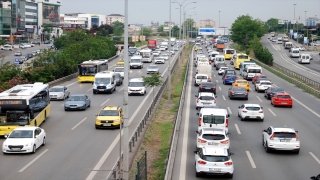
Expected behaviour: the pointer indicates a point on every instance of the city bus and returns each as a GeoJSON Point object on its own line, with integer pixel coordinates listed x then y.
{"type": "Point", "coordinates": [228, 53]}
{"type": "Point", "coordinates": [240, 58]}
{"type": "Point", "coordinates": [88, 69]}
{"type": "Point", "coordinates": [24, 105]}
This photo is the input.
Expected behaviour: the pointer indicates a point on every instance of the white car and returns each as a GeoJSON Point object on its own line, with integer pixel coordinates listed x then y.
{"type": "Point", "coordinates": [165, 56]}
{"type": "Point", "coordinates": [24, 140]}
{"type": "Point", "coordinates": [280, 138]}
{"type": "Point", "coordinates": [213, 137]}
{"type": "Point", "coordinates": [59, 93]}
{"type": "Point", "coordinates": [213, 161]}
{"type": "Point", "coordinates": [156, 53]}
{"type": "Point", "coordinates": [159, 60]}
{"type": "Point", "coordinates": [27, 45]}
{"type": "Point", "coordinates": [119, 70]}
{"type": "Point", "coordinates": [221, 70]}
{"type": "Point", "coordinates": [205, 99]}
{"type": "Point", "coordinates": [163, 48]}
{"type": "Point", "coordinates": [250, 111]}
{"type": "Point", "coordinates": [301, 48]}
{"type": "Point", "coordinates": [262, 85]}
{"type": "Point", "coordinates": [136, 86]}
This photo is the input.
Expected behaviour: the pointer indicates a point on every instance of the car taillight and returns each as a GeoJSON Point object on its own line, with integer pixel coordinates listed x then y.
{"type": "Point", "coordinates": [213, 87]}
{"type": "Point", "coordinates": [228, 163]}
{"type": "Point", "coordinates": [260, 84]}
{"type": "Point", "coordinates": [209, 79]}
{"type": "Point", "coordinates": [247, 85]}
{"type": "Point", "coordinates": [232, 92]}
{"type": "Point", "coordinates": [244, 111]}
{"type": "Point", "coordinates": [272, 137]}
{"type": "Point", "coordinates": [202, 162]}
{"type": "Point", "coordinates": [269, 92]}
{"type": "Point", "coordinates": [199, 121]}
{"type": "Point", "coordinates": [201, 141]}
{"type": "Point", "coordinates": [201, 87]}
{"type": "Point", "coordinates": [235, 84]}
{"type": "Point", "coordinates": [227, 122]}
{"type": "Point", "coordinates": [246, 92]}
{"type": "Point", "coordinates": [224, 142]}
{"type": "Point", "coordinates": [260, 111]}
{"type": "Point", "coordinates": [297, 137]}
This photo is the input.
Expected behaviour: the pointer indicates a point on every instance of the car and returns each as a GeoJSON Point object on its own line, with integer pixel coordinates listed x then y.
{"type": "Point", "coordinates": [136, 86]}
{"type": "Point", "coordinates": [281, 99]}
{"type": "Point", "coordinates": [207, 87]}
{"type": "Point", "coordinates": [22, 46]}
{"type": "Point", "coordinates": [238, 92]}
{"type": "Point", "coordinates": [46, 42]}
{"type": "Point", "coordinates": [213, 161]}
{"type": "Point", "coordinates": [222, 69]}
{"type": "Point", "coordinates": [262, 85]}
{"type": "Point", "coordinates": [119, 69]}
{"type": "Point", "coordinates": [34, 53]}
{"type": "Point", "coordinates": [23, 58]}
{"type": "Point", "coordinates": [229, 79]}
{"type": "Point", "coordinates": [165, 56]}
{"type": "Point", "coordinates": [77, 102]}
{"type": "Point", "coordinates": [258, 77]}
{"type": "Point", "coordinates": [25, 139]}
{"type": "Point", "coordinates": [228, 72]}
{"type": "Point", "coordinates": [272, 91]}
{"type": "Point", "coordinates": [243, 83]}
{"type": "Point", "coordinates": [38, 51]}
{"type": "Point", "coordinates": [153, 69]}
{"type": "Point", "coordinates": [213, 137]}
{"type": "Point", "coordinates": [205, 98]}
{"type": "Point", "coordinates": [26, 45]}
{"type": "Point", "coordinates": [29, 56]}
{"type": "Point", "coordinates": [159, 60]}
{"type": "Point", "coordinates": [35, 42]}
{"type": "Point", "coordinates": [220, 64]}
{"type": "Point", "coordinates": [118, 79]}
{"type": "Point", "coordinates": [214, 107]}
{"type": "Point", "coordinates": [109, 117]}
{"type": "Point", "coordinates": [59, 93]}
{"type": "Point", "coordinates": [280, 138]}
{"type": "Point", "coordinates": [18, 53]}
{"type": "Point", "coordinates": [311, 56]}
{"type": "Point", "coordinates": [250, 111]}
{"type": "Point", "coordinates": [30, 44]}
{"type": "Point", "coordinates": [274, 40]}
{"type": "Point", "coordinates": [301, 48]}
{"type": "Point", "coordinates": [156, 52]}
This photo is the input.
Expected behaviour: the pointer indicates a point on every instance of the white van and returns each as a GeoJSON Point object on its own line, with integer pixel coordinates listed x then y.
{"type": "Point", "coordinates": [136, 86]}
{"type": "Point", "coordinates": [295, 52]}
{"type": "Point", "coordinates": [304, 58]}
{"type": "Point", "coordinates": [136, 62]}
{"type": "Point", "coordinates": [288, 45]}
{"type": "Point", "coordinates": [211, 117]}
{"type": "Point", "coordinates": [251, 71]}
{"type": "Point", "coordinates": [218, 59]}
{"type": "Point", "coordinates": [213, 55]}
{"type": "Point", "coordinates": [104, 82]}
{"type": "Point", "coordinates": [7, 47]}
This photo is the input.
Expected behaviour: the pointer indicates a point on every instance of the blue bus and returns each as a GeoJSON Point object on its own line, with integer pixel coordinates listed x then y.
{"type": "Point", "coordinates": [243, 66]}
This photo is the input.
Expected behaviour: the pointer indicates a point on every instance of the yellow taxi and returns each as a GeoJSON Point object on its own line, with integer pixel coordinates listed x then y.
{"type": "Point", "coordinates": [243, 83]}
{"type": "Point", "coordinates": [109, 117]}
{"type": "Point", "coordinates": [120, 62]}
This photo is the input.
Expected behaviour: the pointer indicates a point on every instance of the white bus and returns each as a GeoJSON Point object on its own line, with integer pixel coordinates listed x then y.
{"type": "Point", "coordinates": [24, 105]}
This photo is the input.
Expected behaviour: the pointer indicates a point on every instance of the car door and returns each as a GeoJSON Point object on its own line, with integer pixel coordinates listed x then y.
{"type": "Point", "coordinates": [40, 136]}
{"type": "Point", "coordinates": [66, 92]}
{"type": "Point", "coordinates": [87, 101]}
{"type": "Point", "coordinates": [36, 137]}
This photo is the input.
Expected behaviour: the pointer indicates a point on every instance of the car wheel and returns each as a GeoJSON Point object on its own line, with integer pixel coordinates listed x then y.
{"type": "Point", "coordinates": [262, 120]}
{"type": "Point", "coordinates": [266, 148]}
{"type": "Point", "coordinates": [43, 142]}
{"type": "Point", "coordinates": [297, 151]}
{"type": "Point", "coordinates": [198, 174]}
{"type": "Point", "coordinates": [238, 115]}
{"type": "Point", "coordinates": [241, 118]}
{"type": "Point", "coordinates": [89, 104]}
{"type": "Point", "coordinates": [34, 149]}
{"type": "Point", "coordinates": [230, 176]}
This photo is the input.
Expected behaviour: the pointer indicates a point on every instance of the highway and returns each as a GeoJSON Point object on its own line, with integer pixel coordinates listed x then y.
{"type": "Point", "coordinates": [251, 162]}
{"type": "Point", "coordinates": [75, 149]}
{"type": "Point", "coordinates": [281, 56]}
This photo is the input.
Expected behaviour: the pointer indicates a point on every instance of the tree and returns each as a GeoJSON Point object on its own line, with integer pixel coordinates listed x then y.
{"type": "Point", "coordinates": [118, 28]}
{"type": "Point", "coordinates": [175, 31]}
{"type": "Point", "coordinates": [2, 42]}
{"type": "Point", "coordinates": [189, 23]}
{"type": "Point", "coordinates": [160, 28]}
{"type": "Point", "coordinates": [146, 32]}
{"type": "Point", "coordinates": [152, 81]}
{"type": "Point", "coordinates": [103, 30]}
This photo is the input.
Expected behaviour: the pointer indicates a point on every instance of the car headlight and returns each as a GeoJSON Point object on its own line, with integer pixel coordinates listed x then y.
{"type": "Point", "coordinates": [116, 120]}
{"type": "Point", "coordinates": [29, 144]}
{"type": "Point", "coordinates": [94, 87]}
{"type": "Point", "coordinates": [98, 121]}
{"type": "Point", "coordinates": [5, 145]}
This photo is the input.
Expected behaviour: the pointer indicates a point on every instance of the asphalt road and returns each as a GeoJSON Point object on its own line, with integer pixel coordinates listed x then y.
{"type": "Point", "coordinates": [75, 149]}
{"type": "Point", "coordinates": [250, 160]}
{"type": "Point", "coordinates": [281, 56]}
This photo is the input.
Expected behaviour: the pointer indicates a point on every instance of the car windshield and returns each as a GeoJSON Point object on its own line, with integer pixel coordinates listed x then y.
{"type": "Point", "coordinates": [153, 67]}
{"type": "Point", "coordinates": [284, 135]}
{"type": "Point", "coordinates": [159, 58]}
{"type": "Point", "coordinates": [223, 68]}
{"type": "Point", "coordinates": [132, 49]}
{"type": "Point", "coordinates": [56, 89]}
{"type": "Point", "coordinates": [230, 72]}
{"type": "Point", "coordinates": [21, 134]}
{"type": "Point", "coordinates": [254, 70]}
{"type": "Point", "coordinates": [228, 76]}
{"type": "Point", "coordinates": [212, 158]}
{"type": "Point", "coordinates": [201, 77]}
{"type": "Point", "coordinates": [213, 136]}
{"type": "Point", "coordinates": [229, 51]}
{"type": "Point", "coordinates": [219, 59]}
{"type": "Point", "coordinates": [102, 80]}
{"type": "Point", "coordinates": [164, 55]}
{"type": "Point", "coordinates": [213, 119]}
{"type": "Point", "coordinates": [253, 108]}
{"type": "Point", "coordinates": [109, 113]}
{"type": "Point", "coordinates": [243, 57]}
{"type": "Point", "coordinates": [135, 60]}
{"type": "Point", "coordinates": [207, 98]}
{"type": "Point", "coordinates": [284, 97]}
{"type": "Point", "coordinates": [76, 98]}
{"type": "Point", "coordinates": [136, 84]}
{"type": "Point", "coordinates": [119, 70]}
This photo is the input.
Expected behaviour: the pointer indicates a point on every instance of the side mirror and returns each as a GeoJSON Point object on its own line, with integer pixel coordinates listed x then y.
{"type": "Point", "coordinates": [197, 132]}
{"type": "Point", "coordinates": [196, 95]}
{"type": "Point", "coordinates": [197, 114]}
{"type": "Point", "coordinates": [215, 96]}
{"type": "Point", "coordinates": [36, 136]}
{"type": "Point", "coordinates": [264, 130]}
{"type": "Point", "coordinates": [92, 83]}
{"type": "Point", "coordinates": [112, 82]}
{"type": "Point", "coordinates": [228, 115]}
{"type": "Point", "coordinates": [239, 107]}
{"type": "Point", "coordinates": [6, 136]}
{"type": "Point", "coordinates": [261, 107]}
{"type": "Point", "coordinates": [230, 154]}
{"type": "Point", "coordinates": [113, 70]}
{"type": "Point", "coordinates": [196, 152]}
{"type": "Point", "coordinates": [296, 131]}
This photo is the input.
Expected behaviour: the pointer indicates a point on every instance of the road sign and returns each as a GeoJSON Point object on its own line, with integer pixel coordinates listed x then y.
{"type": "Point", "coordinates": [206, 31]}
{"type": "Point", "coordinates": [16, 61]}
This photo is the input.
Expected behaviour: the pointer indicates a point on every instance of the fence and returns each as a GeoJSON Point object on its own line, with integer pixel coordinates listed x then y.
{"type": "Point", "coordinates": [142, 168]}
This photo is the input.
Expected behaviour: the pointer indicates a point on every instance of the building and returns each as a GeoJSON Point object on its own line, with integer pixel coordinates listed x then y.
{"type": "Point", "coordinates": [135, 27]}
{"type": "Point", "coordinates": [167, 23]}
{"type": "Point", "coordinates": [5, 20]}
{"type": "Point", "coordinates": [94, 19]}
{"type": "Point", "coordinates": [154, 25]}
{"type": "Point", "coordinates": [312, 21]}
{"type": "Point", "coordinates": [73, 21]}
{"type": "Point", "coordinates": [207, 23]}
{"type": "Point", "coordinates": [113, 18]}
{"type": "Point", "coordinates": [31, 18]}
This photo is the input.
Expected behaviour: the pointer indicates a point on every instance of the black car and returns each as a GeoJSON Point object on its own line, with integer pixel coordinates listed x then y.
{"type": "Point", "coordinates": [238, 92]}
{"type": "Point", "coordinates": [220, 64]}
{"type": "Point", "coordinates": [271, 91]}
{"type": "Point", "coordinates": [118, 79]}
{"type": "Point", "coordinates": [46, 42]}
{"type": "Point", "coordinates": [29, 56]}
{"type": "Point", "coordinates": [207, 87]}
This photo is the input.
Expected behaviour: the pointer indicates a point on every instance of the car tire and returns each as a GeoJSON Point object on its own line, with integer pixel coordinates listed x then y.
{"type": "Point", "coordinates": [43, 141]}
{"type": "Point", "coordinates": [230, 176]}
{"type": "Point", "coordinates": [238, 114]}
{"type": "Point", "coordinates": [241, 119]}
{"type": "Point", "coordinates": [34, 149]}
{"type": "Point", "coordinates": [297, 151]}
{"type": "Point", "coordinates": [262, 120]}
{"type": "Point", "coordinates": [198, 174]}
{"type": "Point", "coordinates": [266, 148]}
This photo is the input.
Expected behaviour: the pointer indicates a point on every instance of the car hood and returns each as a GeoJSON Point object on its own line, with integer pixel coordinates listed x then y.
{"type": "Point", "coordinates": [74, 102]}
{"type": "Point", "coordinates": [18, 141]}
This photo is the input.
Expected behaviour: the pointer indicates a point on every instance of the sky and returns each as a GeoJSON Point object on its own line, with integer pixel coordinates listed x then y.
{"type": "Point", "coordinates": [145, 11]}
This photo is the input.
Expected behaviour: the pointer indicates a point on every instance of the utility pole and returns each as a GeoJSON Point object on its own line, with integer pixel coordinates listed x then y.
{"type": "Point", "coordinates": [169, 66]}
{"type": "Point", "coordinates": [294, 14]}
{"type": "Point", "coordinates": [219, 18]}
{"type": "Point", "coordinates": [125, 99]}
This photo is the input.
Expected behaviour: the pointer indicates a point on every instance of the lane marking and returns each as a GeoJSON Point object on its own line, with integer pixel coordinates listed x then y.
{"type": "Point", "coordinates": [140, 73]}
{"type": "Point", "coordinates": [164, 72]}
{"type": "Point", "coordinates": [71, 84]}
{"type": "Point", "coordinates": [219, 88]}
{"type": "Point", "coordinates": [74, 127]}
{"type": "Point", "coordinates": [272, 112]}
{"type": "Point", "coordinates": [315, 157]}
{"type": "Point", "coordinates": [306, 107]}
{"type": "Point", "coordinates": [223, 97]}
{"type": "Point", "coordinates": [251, 160]}
{"type": "Point", "coordinates": [120, 89]}
{"type": "Point", "coordinates": [217, 81]}
{"type": "Point", "coordinates": [105, 102]}
{"type": "Point", "coordinates": [90, 89]}
{"type": "Point", "coordinates": [229, 110]}
{"type": "Point", "coordinates": [237, 128]}
{"type": "Point", "coordinates": [259, 98]}
{"type": "Point", "coordinates": [31, 162]}
{"type": "Point", "coordinates": [214, 75]}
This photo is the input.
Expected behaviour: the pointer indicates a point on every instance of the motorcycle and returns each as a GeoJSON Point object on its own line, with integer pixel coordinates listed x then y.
{"type": "Point", "coordinates": [315, 177]}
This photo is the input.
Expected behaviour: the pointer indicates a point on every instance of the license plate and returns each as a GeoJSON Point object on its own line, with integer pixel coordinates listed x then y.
{"type": "Point", "coordinates": [106, 124]}
{"type": "Point", "coordinates": [15, 149]}
{"type": "Point", "coordinates": [212, 143]}
{"type": "Point", "coordinates": [253, 116]}
{"type": "Point", "coordinates": [101, 89]}
{"type": "Point", "coordinates": [284, 140]}
{"type": "Point", "coordinates": [283, 103]}
{"type": "Point", "coordinates": [73, 106]}
{"type": "Point", "coordinates": [206, 103]}
{"type": "Point", "coordinates": [215, 170]}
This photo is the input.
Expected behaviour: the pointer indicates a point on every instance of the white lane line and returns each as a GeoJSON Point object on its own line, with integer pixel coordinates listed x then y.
{"type": "Point", "coordinates": [223, 97]}
{"type": "Point", "coordinates": [105, 102]}
{"type": "Point", "coordinates": [306, 107]}
{"type": "Point", "coordinates": [219, 88]}
{"type": "Point", "coordinates": [214, 75]}
{"type": "Point", "coordinates": [89, 89]}
{"type": "Point", "coordinates": [74, 127]}
{"type": "Point", "coordinates": [140, 73]}
{"type": "Point", "coordinates": [31, 162]}
{"type": "Point", "coordinates": [237, 128]}
{"type": "Point", "coordinates": [250, 89]}
{"type": "Point", "coordinates": [272, 112]}
{"type": "Point", "coordinates": [120, 89]}
{"type": "Point", "coordinates": [71, 84]}
{"type": "Point", "coordinates": [251, 160]}
{"type": "Point", "coordinates": [164, 72]}
{"type": "Point", "coordinates": [217, 81]}
{"type": "Point", "coordinates": [229, 110]}
{"type": "Point", "coordinates": [315, 157]}
{"type": "Point", "coordinates": [259, 98]}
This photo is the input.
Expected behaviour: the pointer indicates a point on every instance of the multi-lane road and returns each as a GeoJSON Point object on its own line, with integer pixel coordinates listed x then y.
{"type": "Point", "coordinates": [250, 159]}
{"type": "Point", "coordinates": [75, 149]}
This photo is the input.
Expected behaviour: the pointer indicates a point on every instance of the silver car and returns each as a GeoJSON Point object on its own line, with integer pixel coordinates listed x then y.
{"type": "Point", "coordinates": [59, 93]}
{"type": "Point", "coordinates": [165, 56]}
{"type": "Point", "coordinates": [18, 53]}
{"type": "Point", "coordinates": [153, 69]}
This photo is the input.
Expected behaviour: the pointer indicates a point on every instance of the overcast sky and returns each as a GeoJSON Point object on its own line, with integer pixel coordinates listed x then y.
{"type": "Point", "coordinates": [145, 11]}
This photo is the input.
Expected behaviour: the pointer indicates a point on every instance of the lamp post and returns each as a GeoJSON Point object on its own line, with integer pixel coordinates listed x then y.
{"type": "Point", "coordinates": [189, 28]}
{"type": "Point", "coordinates": [305, 20]}
{"type": "Point", "coordinates": [181, 4]}
{"type": "Point", "coordinates": [294, 15]}
{"type": "Point", "coordinates": [219, 18]}
{"type": "Point", "coordinates": [184, 20]}
{"type": "Point", "coordinates": [169, 66]}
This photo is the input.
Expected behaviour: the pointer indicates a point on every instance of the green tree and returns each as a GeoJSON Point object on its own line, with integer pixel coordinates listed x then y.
{"type": "Point", "coordinates": [175, 31]}
{"type": "Point", "coordinates": [160, 28]}
{"type": "Point", "coordinates": [152, 81]}
{"type": "Point", "coordinates": [146, 32]}
{"type": "Point", "coordinates": [189, 23]}
{"type": "Point", "coordinates": [118, 28]}
{"type": "Point", "coordinates": [2, 42]}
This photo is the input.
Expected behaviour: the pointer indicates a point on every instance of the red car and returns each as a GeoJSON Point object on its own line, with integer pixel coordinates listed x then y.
{"type": "Point", "coordinates": [257, 77]}
{"type": "Point", "coordinates": [282, 99]}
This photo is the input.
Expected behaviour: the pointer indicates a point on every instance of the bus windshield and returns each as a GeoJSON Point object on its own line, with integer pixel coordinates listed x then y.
{"type": "Point", "coordinates": [14, 118]}
{"type": "Point", "coordinates": [87, 70]}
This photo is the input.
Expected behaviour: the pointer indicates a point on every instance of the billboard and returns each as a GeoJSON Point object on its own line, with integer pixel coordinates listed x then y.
{"type": "Point", "coordinates": [305, 40]}
{"type": "Point", "coordinates": [206, 31]}
{"type": "Point", "coordinates": [51, 15]}
{"type": "Point", "coordinates": [291, 32]}
{"type": "Point", "coordinates": [280, 21]}
{"type": "Point", "coordinates": [295, 35]}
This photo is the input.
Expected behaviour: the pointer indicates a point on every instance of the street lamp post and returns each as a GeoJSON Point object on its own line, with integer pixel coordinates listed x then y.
{"type": "Point", "coordinates": [169, 66]}
{"type": "Point", "coordinates": [219, 18]}
{"type": "Point", "coordinates": [180, 4]}
{"type": "Point", "coordinates": [294, 15]}
{"type": "Point", "coordinates": [305, 20]}
{"type": "Point", "coordinates": [184, 20]}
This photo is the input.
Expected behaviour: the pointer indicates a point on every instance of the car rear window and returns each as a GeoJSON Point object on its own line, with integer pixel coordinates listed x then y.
{"type": "Point", "coordinates": [207, 84]}
{"type": "Point", "coordinates": [213, 119]}
{"type": "Point", "coordinates": [284, 135]}
{"type": "Point", "coordinates": [213, 136]}
{"type": "Point", "coordinates": [266, 83]}
{"type": "Point", "coordinates": [211, 158]}
{"type": "Point", "coordinates": [253, 108]}
{"type": "Point", "coordinates": [206, 98]}
{"type": "Point", "coordinates": [284, 96]}
{"type": "Point", "coordinates": [201, 77]}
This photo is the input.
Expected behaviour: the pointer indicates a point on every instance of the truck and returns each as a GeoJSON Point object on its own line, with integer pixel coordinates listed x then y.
{"type": "Point", "coordinates": [220, 45]}
{"type": "Point", "coordinates": [152, 44]}
{"type": "Point", "coordinates": [205, 69]}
